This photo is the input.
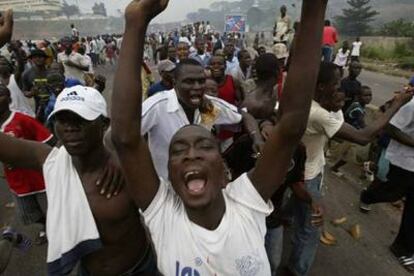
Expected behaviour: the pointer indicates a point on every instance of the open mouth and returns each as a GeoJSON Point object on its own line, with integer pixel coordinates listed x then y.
{"type": "Point", "coordinates": [195, 182]}
{"type": "Point", "coordinates": [196, 99]}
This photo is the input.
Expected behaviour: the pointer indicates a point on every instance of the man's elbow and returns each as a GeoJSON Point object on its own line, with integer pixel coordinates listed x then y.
{"type": "Point", "coordinates": [123, 139]}
{"type": "Point", "coordinates": [294, 133]}
{"type": "Point", "coordinates": [363, 139]}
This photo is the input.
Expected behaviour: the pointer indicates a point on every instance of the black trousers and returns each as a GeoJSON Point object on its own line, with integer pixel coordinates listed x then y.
{"type": "Point", "coordinates": [400, 184]}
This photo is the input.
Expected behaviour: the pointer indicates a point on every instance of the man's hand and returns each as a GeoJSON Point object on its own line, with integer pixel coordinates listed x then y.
{"type": "Point", "coordinates": [266, 129]}
{"type": "Point", "coordinates": [317, 214]}
{"type": "Point", "coordinates": [147, 9]}
{"type": "Point", "coordinates": [403, 98]}
{"type": "Point", "coordinates": [112, 181]}
{"type": "Point", "coordinates": [6, 27]}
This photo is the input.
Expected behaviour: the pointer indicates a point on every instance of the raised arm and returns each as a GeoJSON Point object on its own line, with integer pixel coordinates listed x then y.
{"type": "Point", "coordinates": [22, 153]}
{"type": "Point", "coordinates": [20, 63]}
{"type": "Point", "coordinates": [366, 135]}
{"type": "Point", "coordinates": [6, 27]}
{"type": "Point", "coordinates": [130, 146]}
{"type": "Point", "coordinates": [272, 166]}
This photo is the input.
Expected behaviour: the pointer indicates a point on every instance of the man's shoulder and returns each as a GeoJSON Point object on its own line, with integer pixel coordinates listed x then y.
{"type": "Point", "coordinates": [221, 103]}
{"type": "Point", "coordinates": [318, 113]}
{"type": "Point", "coordinates": [18, 122]}
{"type": "Point", "coordinates": [160, 98]}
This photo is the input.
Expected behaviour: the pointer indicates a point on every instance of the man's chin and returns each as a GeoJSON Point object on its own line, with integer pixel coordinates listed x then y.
{"type": "Point", "coordinates": [75, 151]}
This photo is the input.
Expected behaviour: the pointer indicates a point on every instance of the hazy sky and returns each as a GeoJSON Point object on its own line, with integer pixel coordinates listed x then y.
{"type": "Point", "coordinates": [177, 9]}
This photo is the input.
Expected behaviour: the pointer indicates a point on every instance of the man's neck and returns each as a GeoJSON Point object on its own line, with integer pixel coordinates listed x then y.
{"type": "Point", "coordinates": [91, 162]}
{"type": "Point", "coordinates": [166, 84]}
{"type": "Point", "coordinates": [189, 112]}
{"type": "Point", "coordinates": [210, 216]}
{"type": "Point", "coordinates": [4, 116]}
{"type": "Point", "coordinates": [220, 80]}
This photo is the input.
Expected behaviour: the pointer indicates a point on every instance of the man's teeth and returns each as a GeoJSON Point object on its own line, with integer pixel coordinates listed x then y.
{"type": "Point", "coordinates": [188, 174]}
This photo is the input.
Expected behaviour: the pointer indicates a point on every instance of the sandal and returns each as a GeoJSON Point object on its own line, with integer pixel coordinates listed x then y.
{"type": "Point", "coordinates": [407, 263]}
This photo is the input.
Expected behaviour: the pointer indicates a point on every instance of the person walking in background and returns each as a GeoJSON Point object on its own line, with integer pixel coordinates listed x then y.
{"type": "Point", "coordinates": [75, 32]}
{"type": "Point", "coordinates": [282, 26]}
{"type": "Point", "coordinates": [342, 57]}
{"type": "Point", "coordinates": [330, 38]}
{"type": "Point", "coordinates": [356, 50]}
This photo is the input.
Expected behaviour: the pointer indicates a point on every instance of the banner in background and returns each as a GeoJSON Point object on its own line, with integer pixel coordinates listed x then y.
{"type": "Point", "coordinates": [235, 23]}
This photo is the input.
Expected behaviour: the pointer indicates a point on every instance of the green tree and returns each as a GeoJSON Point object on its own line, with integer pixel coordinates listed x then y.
{"type": "Point", "coordinates": [398, 27]}
{"type": "Point", "coordinates": [69, 10]}
{"type": "Point", "coordinates": [99, 9]}
{"type": "Point", "coordinates": [356, 19]}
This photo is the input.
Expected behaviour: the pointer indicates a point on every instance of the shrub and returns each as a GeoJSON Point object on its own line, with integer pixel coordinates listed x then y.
{"type": "Point", "coordinates": [378, 53]}
{"type": "Point", "coordinates": [406, 63]}
{"type": "Point", "coordinates": [402, 50]}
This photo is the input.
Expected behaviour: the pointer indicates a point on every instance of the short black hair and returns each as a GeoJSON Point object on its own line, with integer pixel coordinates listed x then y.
{"type": "Point", "coordinates": [4, 88]}
{"type": "Point", "coordinates": [241, 52]}
{"type": "Point", "coordinates": [363, 88]}
{"type": "Point", "coordinates": [267, 66]}
{"type": "Point", "coordinates": [184, 62]}
{"type": "Point", "coordinates": [326, 72]}
{"type": "Point", "coordinates": [327, 22]}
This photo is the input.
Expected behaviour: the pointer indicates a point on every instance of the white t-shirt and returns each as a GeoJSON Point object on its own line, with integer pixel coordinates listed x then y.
{"type": "Point", "coordinates": [236, 247]}
{"type": "Point", "coordinates": [72, 72]}
{"type": "Point", "coordinates": [75, 32]}
{"type": "Point", "coordinates": [356, 49]}
{"type": "Point", "coordinates": [163, 116]}
{"type": "Point", "coordinates": [282, 26]}
{"type": "Point", "coordinates": [87, 61]}
{"type": "Point", "coordinates": [341, 57]}
{"type": "Point", "coordinates": [322, 126]}
{"type": "Point", "coordinates": [399, 154]}
{"type": "Point", "coordinates": [19, 102]}
{"type": "Point", "coordinates": [185, 40]}
{"type": "Point", "coordinates": [230, 65]}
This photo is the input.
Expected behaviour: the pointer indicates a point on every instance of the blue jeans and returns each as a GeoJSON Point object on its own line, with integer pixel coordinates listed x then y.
{"type": "Point", "coordinates": [274, 247]}
{"type": "Point", "coordinates": [327, 53]}
{"type": "Point", "coordinates": [305, 237]}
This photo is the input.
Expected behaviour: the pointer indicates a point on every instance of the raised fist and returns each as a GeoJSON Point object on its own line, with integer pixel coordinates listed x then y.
{"type": "Point", "coordinates": [144, 9]}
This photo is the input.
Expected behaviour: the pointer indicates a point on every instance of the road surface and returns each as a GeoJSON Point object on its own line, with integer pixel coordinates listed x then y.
{"type": "Point", "coordinates": [365, 257]}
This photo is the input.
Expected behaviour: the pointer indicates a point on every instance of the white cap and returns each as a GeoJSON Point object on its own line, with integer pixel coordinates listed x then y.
{"type": "Point", "coordinates": [280, 50]}
{"type": "Point", "coordinates": [85, 101]}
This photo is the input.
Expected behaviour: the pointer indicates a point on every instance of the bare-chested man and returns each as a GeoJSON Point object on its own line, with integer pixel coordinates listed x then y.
{"type": "Point", "coordinates": [80, 123]}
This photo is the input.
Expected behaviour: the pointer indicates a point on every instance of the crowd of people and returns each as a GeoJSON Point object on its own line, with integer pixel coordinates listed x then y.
{"type": "Point", "coordinates": [219, 156]}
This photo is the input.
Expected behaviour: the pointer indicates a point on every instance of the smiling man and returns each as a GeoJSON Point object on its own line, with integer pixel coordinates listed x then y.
{"type": "Point", "coordinates": [199, 225]}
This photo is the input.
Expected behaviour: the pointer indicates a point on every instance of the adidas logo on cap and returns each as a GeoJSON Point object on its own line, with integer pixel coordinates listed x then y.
{"type": "Point", "coordinates": [72, 96]}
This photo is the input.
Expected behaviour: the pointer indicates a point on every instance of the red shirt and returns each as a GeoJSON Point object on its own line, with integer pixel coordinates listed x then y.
{"type": "Point", "coordinates": [330, 36]}
{"type": "Point", "coordinates": [24, 182]}
{"type": "Point", "coordinates": [227, 91]}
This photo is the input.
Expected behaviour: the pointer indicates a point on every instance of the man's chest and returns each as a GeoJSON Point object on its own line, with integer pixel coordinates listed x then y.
{"type": "Point", "coordinates": [235, 257]}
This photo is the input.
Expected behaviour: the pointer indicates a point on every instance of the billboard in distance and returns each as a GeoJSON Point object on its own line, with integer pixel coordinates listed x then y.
{"type": "Point", "coordinates": [235, 23]}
